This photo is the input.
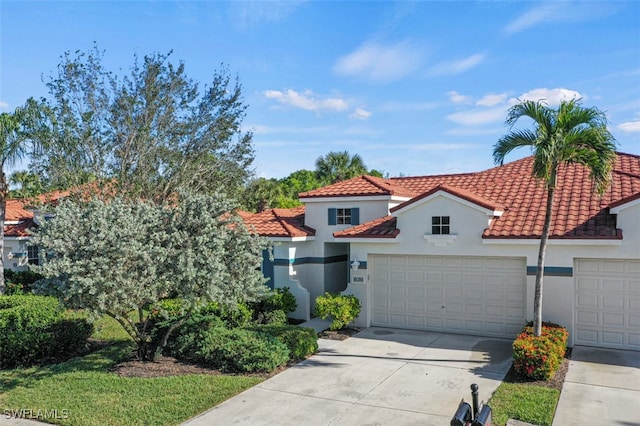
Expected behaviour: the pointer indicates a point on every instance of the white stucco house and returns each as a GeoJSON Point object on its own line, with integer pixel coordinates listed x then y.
{"type": "Point", "coordinates": [18, 252]}
{"type": "Point", "coordinates": [458, 253]}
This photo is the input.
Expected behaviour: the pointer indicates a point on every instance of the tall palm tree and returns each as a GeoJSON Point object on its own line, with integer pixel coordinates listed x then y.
{"type": "Point", "coordinates": [12, 149]}
{"type": "Point", "coordinates": [337, 166]}
{"type": "Point", "coordinates": [569, 134]}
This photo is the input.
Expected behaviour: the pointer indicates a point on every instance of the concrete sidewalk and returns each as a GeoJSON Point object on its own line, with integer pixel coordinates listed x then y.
{"type": "Point", "coordinates": [379, 376]}
{"type": "Point", "coordinates": [602, 387]}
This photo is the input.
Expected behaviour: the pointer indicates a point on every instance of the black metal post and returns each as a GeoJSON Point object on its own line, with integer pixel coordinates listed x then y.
{"type": "Point", "coordinates": [474, 398]}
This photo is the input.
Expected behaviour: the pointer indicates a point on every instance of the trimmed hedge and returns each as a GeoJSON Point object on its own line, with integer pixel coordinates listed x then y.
{"type": "Point", "coordinates": [539, 358]}
{"type": "Point", "coordinates": [33, 330]}
{"type": "Point", "coordinates": [341, 309]}
{"type": "Point", "coordinates": [241, 351]}
{"type": "Point", "coordinates": [20, 282]}
{"type": "Point", "coordinates": [301, 341]}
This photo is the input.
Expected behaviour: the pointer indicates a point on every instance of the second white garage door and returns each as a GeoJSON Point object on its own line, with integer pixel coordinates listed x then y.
{"type": "Point", "coordinates": [457, 294]}
{"type": "Point", "coordinates": [607, 303]}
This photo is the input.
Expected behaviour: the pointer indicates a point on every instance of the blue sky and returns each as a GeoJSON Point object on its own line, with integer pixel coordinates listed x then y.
{"type": "Point", "coordinates": [415, 88]}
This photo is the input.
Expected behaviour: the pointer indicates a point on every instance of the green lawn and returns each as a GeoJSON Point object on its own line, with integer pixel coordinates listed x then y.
{"type": "Point", "coordinates": [527, 403]}
{"type": "Point", "coordinates": [83, 391]}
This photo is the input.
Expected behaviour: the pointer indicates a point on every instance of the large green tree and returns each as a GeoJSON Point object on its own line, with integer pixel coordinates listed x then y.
{"type": "Point", "coordinates": [152, 131]}
{"type": "Point", "coordinates": [13, 146]}
{"type": "Point", "coordinates": [29, 184]}
{"type": "Point", "coordinates": [121, 257]}
{"type": "Point", "coordinates": [336, 166]}
{"type": "Point", "coordinates": [569, 134]}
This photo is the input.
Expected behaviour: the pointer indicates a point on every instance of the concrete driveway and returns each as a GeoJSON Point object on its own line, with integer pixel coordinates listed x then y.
{"type": "Point", "coordinates": [380, 376]}
{"type": "Point", "coordinates": [602, 387]}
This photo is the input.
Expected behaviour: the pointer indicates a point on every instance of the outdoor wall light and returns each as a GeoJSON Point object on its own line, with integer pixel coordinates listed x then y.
{"type": "Point", "coordinates": [355, 265]}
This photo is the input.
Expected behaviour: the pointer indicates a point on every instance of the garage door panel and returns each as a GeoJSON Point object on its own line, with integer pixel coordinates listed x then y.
{"type": "Point", "coordinates": [463, 294]}
{"type": "Point", "coordinates": [606, 304]}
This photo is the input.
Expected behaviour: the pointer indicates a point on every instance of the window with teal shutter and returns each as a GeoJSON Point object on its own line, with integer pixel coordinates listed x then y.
{"type": "Point", "coordinates": [355, 216]}
{"type": "Point", "coordinates": [333, 217]}
{"type": "Point", "coordinates": [344, 216]}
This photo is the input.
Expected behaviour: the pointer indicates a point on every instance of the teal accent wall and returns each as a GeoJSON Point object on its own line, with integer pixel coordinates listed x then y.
{"type": "Point", "coordinates": [552, 271]}
{"type": "Point", "coordinates": [311, 260]}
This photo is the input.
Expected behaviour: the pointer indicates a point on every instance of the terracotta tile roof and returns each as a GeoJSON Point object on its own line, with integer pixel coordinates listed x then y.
{"type": "Point", "coordinates": [578, 211]}
{"type": "Point", "coordinates": [288, 223]}
{"type": "Point", "coordinates": [20, 229]}
{"type": "Point", "coordinates": [360, 186]}
{"type": "Point", "coordinates": [461, 193]}
{"type": "Point", "coordinates": [384, 227]}
{"type": "Point", "coordinates": [16, 210]}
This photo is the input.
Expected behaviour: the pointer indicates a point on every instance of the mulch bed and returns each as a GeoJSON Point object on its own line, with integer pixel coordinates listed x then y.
{"type": "Point", "coordinates": [343, 334]}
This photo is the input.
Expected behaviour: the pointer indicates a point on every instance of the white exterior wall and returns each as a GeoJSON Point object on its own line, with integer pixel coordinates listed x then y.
{"type": "Point", "coordinates": [469, 223]}
{"type": "Point", "coordinates": [15, 245]}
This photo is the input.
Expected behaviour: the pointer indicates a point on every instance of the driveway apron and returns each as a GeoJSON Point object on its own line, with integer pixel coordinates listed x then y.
{"type": "Point", "coordinates": [602, 387]}
{"type": "Point", "coordinates": [379, 376]}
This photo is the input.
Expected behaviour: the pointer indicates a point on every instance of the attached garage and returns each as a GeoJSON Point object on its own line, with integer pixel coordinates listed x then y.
{"type": "Point", "coordinates": [607, 303]}
{"type": "Point", "coordinates": [455, 294]}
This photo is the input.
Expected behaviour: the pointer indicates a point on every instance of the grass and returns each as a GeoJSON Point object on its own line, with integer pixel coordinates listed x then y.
{"type": "Point", "coordinates": [527, 403]}
{"type": "Point", "coordinates": [83, 391]}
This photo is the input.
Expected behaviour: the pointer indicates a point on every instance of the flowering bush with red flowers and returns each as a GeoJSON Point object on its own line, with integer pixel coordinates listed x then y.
{"type": "Point", "coordinates": [538, 358]}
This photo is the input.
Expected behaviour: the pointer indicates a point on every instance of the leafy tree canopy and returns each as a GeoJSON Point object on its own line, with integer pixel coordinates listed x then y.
{"type": "Point", "coordinates": [153, 131]}
{"type": "Point", "coordinates": [120, 258]}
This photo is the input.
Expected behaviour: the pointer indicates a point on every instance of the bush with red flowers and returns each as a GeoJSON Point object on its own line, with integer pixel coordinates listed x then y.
{"type": "Point", "coordinates": [538, 358]}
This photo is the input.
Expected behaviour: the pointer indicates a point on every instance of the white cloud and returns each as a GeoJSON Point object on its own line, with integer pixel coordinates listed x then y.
{"type": "Point", "coordinates": [478, 117]}
{"type": "Point", "coordinates": [381, 63]}
{"type": "Point", "coordinates": [458, 67]}
{"type": "Point", "coordinates": [630, 126]}
{"type": "Point", "coordinates": [360, 114]}
{"type": "Point", "coordinates": [552, 97]}
{"type": "Point", "coordinates": [565, 11]}
{"type": "Point", "coordinates": [4, 105]}
{"type": "Point", "coordinates": [407, 106]}
{"type": "Point", "coordinates": [458, 98]}
{"type": "Point", "coordinates": [247, 14]}
{"type": "Point", "coordinates": [492, 99]}
{"type": "Point", "coordinates": [532, 18]}
{"type": "Point", "coordinates": [307, 100]}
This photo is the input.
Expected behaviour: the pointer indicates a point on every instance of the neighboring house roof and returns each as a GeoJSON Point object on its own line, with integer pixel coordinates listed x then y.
{"type": "Point", "coordinates": [358, 187]}
{"type": "Point", "coordinates": [287, 223]}
{"type": "Point", "coordinates": [578, 211]}
{"type": "Point", "coordinates": [16, 211]}
{"type": "Point", "coordinates": [17, 219]}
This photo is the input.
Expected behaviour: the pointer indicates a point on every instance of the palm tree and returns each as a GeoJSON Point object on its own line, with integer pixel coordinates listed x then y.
{"type": "Point", "coordinates": [569, 134]}
{"type": "Point", "coordinates": [337, 166]}
{"type": "Point", "coordinates": [29, 184]}
{"type": "Point", "coordinates": [12, 149]}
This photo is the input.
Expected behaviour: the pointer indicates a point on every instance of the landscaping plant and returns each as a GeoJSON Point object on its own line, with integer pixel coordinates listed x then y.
{"type": "Point", "coordinates": [121, 257]}
{"type": "Point", "coordinates": [539, 357]}
{"type": "Point", "coordinates": [341, 309]}
{"type": "Point", "coordinates": [34, 329]}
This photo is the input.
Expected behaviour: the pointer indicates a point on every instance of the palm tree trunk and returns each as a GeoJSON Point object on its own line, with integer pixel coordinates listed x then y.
{"type": "Point", "coordinates": [537, 300]}
{"type": "Point", "coordinates": [3, 210]}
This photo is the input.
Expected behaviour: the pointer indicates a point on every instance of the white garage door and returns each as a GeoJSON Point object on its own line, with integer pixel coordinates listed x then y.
{"type": "Point", "coordinates": [607, 303]}
{"type": "Point", "coordinates": [458, 294]}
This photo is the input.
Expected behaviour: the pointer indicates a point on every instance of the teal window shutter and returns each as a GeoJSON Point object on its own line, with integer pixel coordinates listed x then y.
{"type": "Point", "coordinates": [332, 217]}
{"type": "Point", "coordinates": [355, 216]}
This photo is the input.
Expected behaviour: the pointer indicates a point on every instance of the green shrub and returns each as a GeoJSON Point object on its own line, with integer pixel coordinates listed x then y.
{"type": "Point", "coordinates": [539, 358]}
{"type": "Point", "coordinates": [277, 317]}
{"type": "Point", "coordinates": [20, 282]}
{"type": "Point", "coordinates": [240, 350]}
{"type": "Point", "coordinates": [33, 330]}
{"type": "Point", "coordinates": [185, 340]}
{"type": "Point", "coordinates": [239, 315]}
{"type": "Point", "coordinates": [280, 299]}
{"type": "Point", "coordinates": [69, 337]}
{"type": "Point", "coordinates": [341, 309]}
{"type": "Point", "coordinates": [301, 341]}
